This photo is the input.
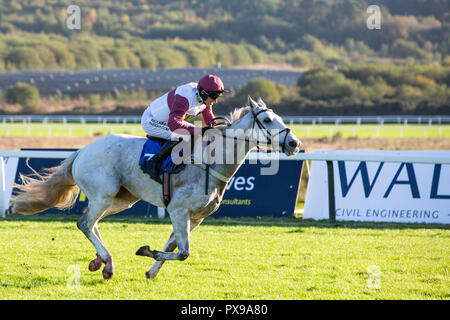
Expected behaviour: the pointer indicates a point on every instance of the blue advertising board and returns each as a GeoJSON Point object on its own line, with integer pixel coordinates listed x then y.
{"type": "Point", "coordinates": [249, 193]}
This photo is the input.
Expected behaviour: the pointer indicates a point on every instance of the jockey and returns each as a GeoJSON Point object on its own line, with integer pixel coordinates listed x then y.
{"type": "Point", "coordinates": [165, 116]}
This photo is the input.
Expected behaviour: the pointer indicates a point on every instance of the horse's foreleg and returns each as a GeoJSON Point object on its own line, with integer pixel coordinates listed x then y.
{"type": "Point", "coordinates": [170, 246]}
{"type": "Point", "coordinates": [181, 226]}
{"type": "Point", "coordinates": [123, 200]}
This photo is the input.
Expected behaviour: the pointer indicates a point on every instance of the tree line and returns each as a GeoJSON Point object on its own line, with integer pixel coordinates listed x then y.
{"type": "Point", "coordinates": [84, 52]}
{"type": "Point", "coordinates": [304, 33]}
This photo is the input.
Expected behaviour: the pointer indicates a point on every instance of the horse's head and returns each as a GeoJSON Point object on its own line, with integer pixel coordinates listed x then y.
{"type": "Point", "coordinates": [270, 129]}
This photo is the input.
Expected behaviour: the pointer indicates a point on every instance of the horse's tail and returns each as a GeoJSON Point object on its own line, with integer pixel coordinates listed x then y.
{"type": "Point", "coordinates": [52, 188]}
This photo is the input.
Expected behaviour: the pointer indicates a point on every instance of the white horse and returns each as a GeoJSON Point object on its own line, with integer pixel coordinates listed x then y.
{"type": "Point", "coordinates": [108, 172]}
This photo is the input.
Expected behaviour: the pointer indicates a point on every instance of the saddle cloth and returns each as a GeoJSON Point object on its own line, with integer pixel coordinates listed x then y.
{"type": "Point", "coordinates": [152, 147]}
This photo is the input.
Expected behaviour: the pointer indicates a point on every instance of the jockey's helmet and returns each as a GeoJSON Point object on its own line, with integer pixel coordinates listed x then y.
{"type": "Point", "coordinates": [210, 86]}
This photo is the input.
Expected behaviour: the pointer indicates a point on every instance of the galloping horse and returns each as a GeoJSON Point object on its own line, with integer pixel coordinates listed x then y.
{"type": "Point", "coordinates": [107, 171]}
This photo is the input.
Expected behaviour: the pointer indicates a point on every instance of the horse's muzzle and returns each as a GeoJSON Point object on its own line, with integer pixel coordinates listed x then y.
{"type": "Point", "coordinates": [294, 146]}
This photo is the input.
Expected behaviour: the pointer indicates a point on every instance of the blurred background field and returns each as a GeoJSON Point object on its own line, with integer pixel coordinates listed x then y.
{"type": "Point", "coordinates": [303, 131]}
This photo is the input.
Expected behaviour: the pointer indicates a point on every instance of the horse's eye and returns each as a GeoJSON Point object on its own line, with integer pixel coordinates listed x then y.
{"type": "Point", "coordinates": [267, 120]}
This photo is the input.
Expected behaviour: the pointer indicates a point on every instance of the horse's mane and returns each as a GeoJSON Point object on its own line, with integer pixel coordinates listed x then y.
{"type": "Point", "coordinates": [239, 113]}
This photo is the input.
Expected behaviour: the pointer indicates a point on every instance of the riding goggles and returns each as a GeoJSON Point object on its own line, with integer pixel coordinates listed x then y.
{"type": "Point", "coordinates": [214, 94]}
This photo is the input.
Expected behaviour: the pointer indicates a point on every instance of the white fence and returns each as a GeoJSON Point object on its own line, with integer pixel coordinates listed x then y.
{"type": "Point", "coordinates": [329, 158]}
{"type": "Point", "coordinates": [124, 119]}
{"type": "Point", "coordinates": [308, 126]}
{"type": "Point", "coordinates": [70, 131]}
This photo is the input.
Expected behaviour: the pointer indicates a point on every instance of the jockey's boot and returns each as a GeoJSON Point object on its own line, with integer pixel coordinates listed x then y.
{"type": "Point", "coordinates": [153, 165]}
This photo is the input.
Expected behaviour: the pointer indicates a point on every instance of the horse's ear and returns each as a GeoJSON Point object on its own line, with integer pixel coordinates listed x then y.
{"type": "Point", "coordinates": [252, 102]}
{"type": "Point", "coordinates": [261, 102]}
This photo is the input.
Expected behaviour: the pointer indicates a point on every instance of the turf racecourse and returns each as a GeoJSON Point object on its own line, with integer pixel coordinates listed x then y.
{"type": "Point", "coordinates": [46, 257]}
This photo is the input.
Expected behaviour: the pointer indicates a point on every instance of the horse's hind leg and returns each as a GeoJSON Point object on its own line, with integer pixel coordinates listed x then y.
{"type": "Point", "coordinates": [97, 263]}
{"type": "Point", "coordinates": [97, 206]}
{"type": "Point", "coordinates": [122, 201]}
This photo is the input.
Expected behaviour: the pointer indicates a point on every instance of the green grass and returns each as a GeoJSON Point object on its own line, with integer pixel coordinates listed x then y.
{"type": "Point", "coordinates": [306, 131]}
{"type": "Point", "coordinates": [247, 258]}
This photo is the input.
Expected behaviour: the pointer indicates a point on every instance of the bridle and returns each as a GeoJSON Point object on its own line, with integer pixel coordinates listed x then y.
{"type": "Point", "coordinates": [256, 122]}
{"type": "Point", "coordinates": [266, 132]}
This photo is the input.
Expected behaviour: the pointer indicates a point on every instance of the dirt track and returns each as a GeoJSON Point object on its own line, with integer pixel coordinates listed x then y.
{"type": "Point", "coordinates": [15, 143]}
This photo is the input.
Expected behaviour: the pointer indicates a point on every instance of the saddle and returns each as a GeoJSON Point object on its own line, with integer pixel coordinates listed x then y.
{"type": "Point", "coordinates": [151, 147]}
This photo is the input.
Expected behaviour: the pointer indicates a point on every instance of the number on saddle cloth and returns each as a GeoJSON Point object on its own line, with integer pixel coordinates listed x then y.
{"type": "Point", "coordinates": [151, 147]}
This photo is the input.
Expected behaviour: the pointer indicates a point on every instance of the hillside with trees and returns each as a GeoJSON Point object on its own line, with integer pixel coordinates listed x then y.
{"type": "Point", "coordinates": [170, 34]}
{"type": "Point", "coordinates": [351, 69]}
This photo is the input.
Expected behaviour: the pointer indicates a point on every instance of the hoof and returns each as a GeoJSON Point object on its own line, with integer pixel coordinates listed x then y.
{"type": "Point", "coordinates": [107, 274]}
{"type": "Point", "coordinates": [149, 275]}
{"type": "Point", "coordinates": [145, 251]}
{"type": "Point", "coordinates": [108, 270]}
{"type": "Point", "coordinates": [95, 264]}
